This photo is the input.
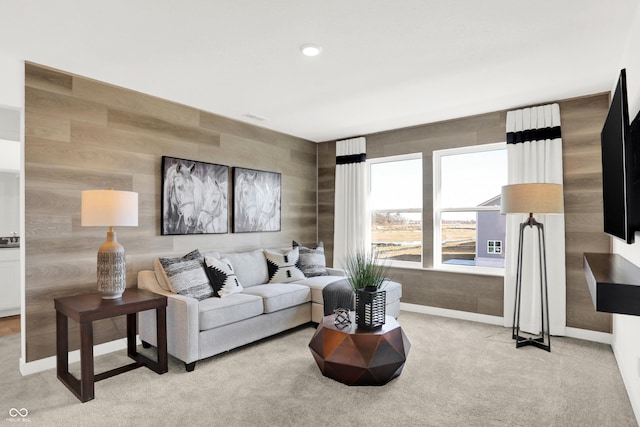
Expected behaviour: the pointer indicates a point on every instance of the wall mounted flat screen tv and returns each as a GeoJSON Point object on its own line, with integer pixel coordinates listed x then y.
{"type": "Point", "coordinates": [619, 168]}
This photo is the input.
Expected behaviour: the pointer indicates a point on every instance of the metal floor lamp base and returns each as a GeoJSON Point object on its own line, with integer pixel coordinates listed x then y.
{"type": "Point", "coordinates": [544, 340]}
{"type": "Point", "coordinates": [535, 342]}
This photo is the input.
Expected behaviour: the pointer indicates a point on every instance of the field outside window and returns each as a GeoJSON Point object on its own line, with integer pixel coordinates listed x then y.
{"type": "Point", "coordinates": [396, 208]}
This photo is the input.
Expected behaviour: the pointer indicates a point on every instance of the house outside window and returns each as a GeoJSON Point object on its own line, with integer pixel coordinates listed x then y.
{"type": "Point", "coordinates": [469, 231]}
{"type": "Point", "coordinates": [395, 201]}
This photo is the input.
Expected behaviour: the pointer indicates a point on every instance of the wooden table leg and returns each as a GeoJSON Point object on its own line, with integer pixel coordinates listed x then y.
{"type": "Point", "coordinates": [86, 362]}
{"type": "Point", "coordinates": [62, 345]}
{"type": "Point", "coordinates": [132, 326]}
{"type": "Point", "coordinates": [161, 330]}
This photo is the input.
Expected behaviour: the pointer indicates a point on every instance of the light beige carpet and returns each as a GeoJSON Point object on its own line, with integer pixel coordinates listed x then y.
{"type": "Point", "coordinates": [458, 374]}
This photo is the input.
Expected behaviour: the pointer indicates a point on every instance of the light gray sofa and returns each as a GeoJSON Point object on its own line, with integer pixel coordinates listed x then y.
{"type": "Point", "coordinates": [201, 329]}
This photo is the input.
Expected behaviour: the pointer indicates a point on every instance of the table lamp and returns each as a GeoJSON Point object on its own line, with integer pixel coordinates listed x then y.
{"type": "Point", "coordinates": [529, 199]}
{"type": "Point", "coordinates": [109, 208]}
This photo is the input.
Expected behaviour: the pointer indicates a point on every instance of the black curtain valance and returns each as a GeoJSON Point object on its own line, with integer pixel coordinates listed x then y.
{"type": "Point", "coordinates": [351, 158]}
{"type": "Point", "coordinates": [534, 135]}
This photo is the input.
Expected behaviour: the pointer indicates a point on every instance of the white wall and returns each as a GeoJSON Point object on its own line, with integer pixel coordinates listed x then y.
{"type": "Point", "coordinates": [626, 329]}
{"type": "Point", "coordinates": [11, 81]}
{"type": "Point", "coordinates": [11, 112]}
{"type": "Point", "coordinates": [12, 97]}
{"type": "Point", "coordinates": [11, 143]}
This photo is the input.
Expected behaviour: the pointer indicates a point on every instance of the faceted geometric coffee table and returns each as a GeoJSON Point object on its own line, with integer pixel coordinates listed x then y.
{"type": "Point", "coordinates": [360, 357]}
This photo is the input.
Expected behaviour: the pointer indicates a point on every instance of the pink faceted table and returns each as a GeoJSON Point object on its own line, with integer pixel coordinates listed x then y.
{"type": "Point", "coordinates": [357, 356]}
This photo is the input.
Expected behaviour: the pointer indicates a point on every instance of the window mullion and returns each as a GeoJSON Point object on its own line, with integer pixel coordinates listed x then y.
{"type": "Point", "coordinates": [471, 209]}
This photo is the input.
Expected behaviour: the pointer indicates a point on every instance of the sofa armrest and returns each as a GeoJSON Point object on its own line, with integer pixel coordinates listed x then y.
{"type": "Point", "coordinates": [183, 326]}
{"type": "Point", "coordinates": [147, 280]}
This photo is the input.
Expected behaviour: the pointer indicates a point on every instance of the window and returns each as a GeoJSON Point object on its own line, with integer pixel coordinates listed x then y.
{"type": "Point", "coordinates": [395, 201]}
{"type": "Point", "coordinates": [494, 246]}
{"type": "Point", "coordinates": [468, 227]}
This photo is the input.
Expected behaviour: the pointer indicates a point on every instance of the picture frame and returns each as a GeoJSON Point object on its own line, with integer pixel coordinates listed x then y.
{"type": "Point", "coordinates": [194, 197]}
{"type": "Point", "coordinates": [256, 200]}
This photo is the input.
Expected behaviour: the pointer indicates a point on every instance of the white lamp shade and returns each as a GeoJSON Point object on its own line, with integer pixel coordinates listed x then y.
{"type": "Point", "coordinates": [109, 208]}
{"type": "Point", "coordinates": [532, 198]}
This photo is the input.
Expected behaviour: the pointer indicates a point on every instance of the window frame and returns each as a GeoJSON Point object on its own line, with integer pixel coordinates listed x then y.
{"type": "Point", "coordinates": [437, 210]}
{"type": "Point", "coordinates": [397, 158]}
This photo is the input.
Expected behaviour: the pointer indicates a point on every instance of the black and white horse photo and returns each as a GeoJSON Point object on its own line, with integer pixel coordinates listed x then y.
{"type": "Point", "coordinates": [194, 197]}
{"type": "Point", "coordinates": [256, 200]}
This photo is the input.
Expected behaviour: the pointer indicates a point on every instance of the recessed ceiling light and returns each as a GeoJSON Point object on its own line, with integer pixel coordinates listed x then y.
{"type": "Point", "coordinates": [310, 49]}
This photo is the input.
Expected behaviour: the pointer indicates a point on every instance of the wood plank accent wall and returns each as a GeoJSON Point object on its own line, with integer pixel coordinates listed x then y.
{"type": "Point", "coordinates": [582, 119]}
{"type": "Point", "coordinates": [83, 134]}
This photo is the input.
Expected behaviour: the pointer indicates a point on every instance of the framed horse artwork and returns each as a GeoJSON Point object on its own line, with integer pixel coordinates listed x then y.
{"type": "Point", "coordinates": [256, 200]}
{"type": "Point", "coordinates": [194, 197]}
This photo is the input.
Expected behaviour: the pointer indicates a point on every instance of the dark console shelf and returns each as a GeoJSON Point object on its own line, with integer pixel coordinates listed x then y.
{"type": "Point", "coordinates": [614, 283]}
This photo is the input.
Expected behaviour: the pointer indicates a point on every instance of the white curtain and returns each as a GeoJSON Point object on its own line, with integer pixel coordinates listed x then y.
{"type": "Point", "coordinates": [351, 219]}
{"type": "Point", "coordinates": [534, 152]}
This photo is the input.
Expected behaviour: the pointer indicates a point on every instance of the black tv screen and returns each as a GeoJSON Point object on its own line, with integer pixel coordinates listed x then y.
{"type": "Point", "coordinates": [618, 174]}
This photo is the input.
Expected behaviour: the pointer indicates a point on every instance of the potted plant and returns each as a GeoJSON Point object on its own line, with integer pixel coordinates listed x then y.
{"type": "Point", "coordinates": [367, 273]}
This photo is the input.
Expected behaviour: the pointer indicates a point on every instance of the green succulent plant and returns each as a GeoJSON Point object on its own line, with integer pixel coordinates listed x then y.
{"type": "Point", "coordinates": [366, 269]}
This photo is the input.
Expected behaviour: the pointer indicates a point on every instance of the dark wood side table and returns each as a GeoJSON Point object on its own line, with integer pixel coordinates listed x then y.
{"type": "Point", "coordinates": [84, 309]}
{"type": "Point", "coordinates": [357, 356]}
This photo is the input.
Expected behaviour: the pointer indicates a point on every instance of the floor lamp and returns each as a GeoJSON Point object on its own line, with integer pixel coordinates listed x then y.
{"type": "Point", "coordinates": [529, 199]}
{"type": "Point", "coordinates": [109, 208]}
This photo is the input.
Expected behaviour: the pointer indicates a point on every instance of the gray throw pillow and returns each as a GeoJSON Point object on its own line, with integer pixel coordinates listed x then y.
{"type": "Point", "coordinates": [187, 276]}
{"type": "Point", "coordinates": [312, 261]}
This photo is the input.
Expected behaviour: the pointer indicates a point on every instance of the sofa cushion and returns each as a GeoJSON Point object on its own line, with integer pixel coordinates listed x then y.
{"type": "Point", "coordinates": [222, 276]}
{"type": "Point", "coordinates": [161, 275]}
{"type": "Point", "coordinates": [312, 260]}
{"type": "Point", "coordinates": [215, 312]}
{"type": "Point", "coordinates": [278, 296]}
{"type": "Point", "coordinates": [250, 267]}
{"type": "Point", "coordinates": [187, 276]}
{"type": "Point", "coordinates": [283, 267]}
{"type": "Point", "coordinates": [317, 284]}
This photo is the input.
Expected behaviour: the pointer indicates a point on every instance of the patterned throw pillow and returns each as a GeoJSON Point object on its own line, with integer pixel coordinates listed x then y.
{"type": "Point", "coordinates": [161, 275]}
{"type": "Point", "coordinates": [283, 267]}
{"type": "Point", "coordinates": [312, 261]}
{"type": "Point", "coordinates": [186, 275]}
{"type": "Point", "coordinates": [222, 277]}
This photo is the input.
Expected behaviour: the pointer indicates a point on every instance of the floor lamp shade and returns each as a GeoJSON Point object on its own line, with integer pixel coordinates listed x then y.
{"type": "Point", "coordinates": [540, 198]}
{"type": "Point", "coordinates": [110, 208]}
{"type": "Point", "coordinates": [532, 198]}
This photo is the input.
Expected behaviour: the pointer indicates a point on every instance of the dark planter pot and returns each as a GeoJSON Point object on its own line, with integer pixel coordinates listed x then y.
{"type": "Point", "coordinates": [370, 307]}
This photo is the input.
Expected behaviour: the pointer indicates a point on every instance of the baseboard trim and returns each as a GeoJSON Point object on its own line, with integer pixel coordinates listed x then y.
{"type": "Point", "coordinates": [10, 312]}
{"type": "Point", "coordinates": [28, 368]}
{"type": "Point", "coordinates": [587, 335]}
{"type": "Point", "coordinates": [455, 314]}
{"type": "Point", "coordinates": [628, 374]}
{"type": "Point", "coordinates": [583, 334]}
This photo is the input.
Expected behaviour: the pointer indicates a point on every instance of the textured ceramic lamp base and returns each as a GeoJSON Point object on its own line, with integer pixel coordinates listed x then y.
{"type": "Point", "coordinates": [112, 269]}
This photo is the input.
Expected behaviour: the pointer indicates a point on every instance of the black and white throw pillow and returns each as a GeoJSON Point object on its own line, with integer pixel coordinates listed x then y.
{"type": "Point", "coordinates": [283, 267]}
{"type": "Point", "coordinates": [312, 261]}
{"type": "Point", "coordinates": [186, 275]}
{"type": "Point", "coordinates": [222, 276]}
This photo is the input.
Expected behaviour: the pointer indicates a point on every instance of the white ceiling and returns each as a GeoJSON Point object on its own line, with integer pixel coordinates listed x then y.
{"type": "Point", "coordinates": [385, 64]}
